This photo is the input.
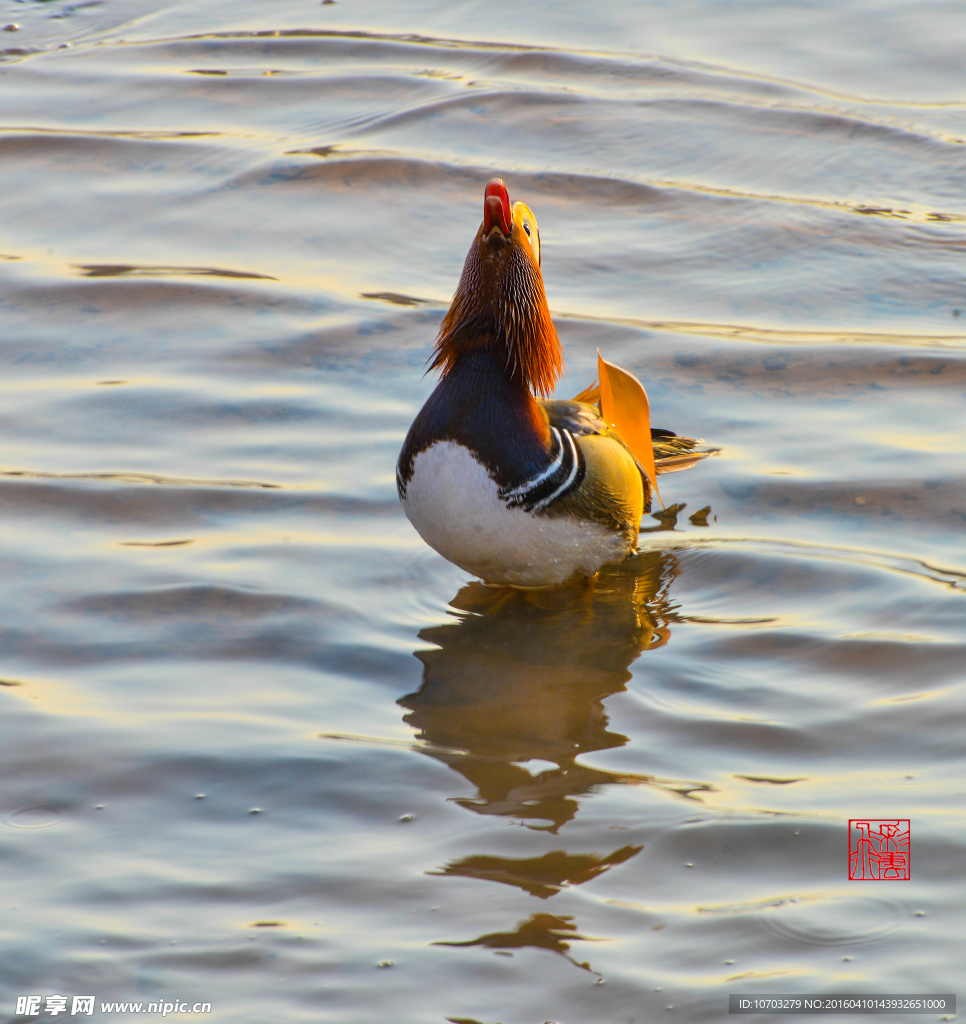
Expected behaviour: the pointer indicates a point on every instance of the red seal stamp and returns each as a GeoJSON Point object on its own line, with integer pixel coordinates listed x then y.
{"type": "Point", "coordinates": [879, 849]}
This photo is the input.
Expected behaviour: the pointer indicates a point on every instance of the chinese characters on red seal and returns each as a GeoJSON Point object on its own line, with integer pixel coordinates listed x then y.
{"type": "Point", "coordinates": [879, 849]}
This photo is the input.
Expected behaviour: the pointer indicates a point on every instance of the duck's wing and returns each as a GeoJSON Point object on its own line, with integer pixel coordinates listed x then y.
{"type": "Point", "coordinates": [581, 415]}
{"type": "Point", "coordinates": [576, 416]}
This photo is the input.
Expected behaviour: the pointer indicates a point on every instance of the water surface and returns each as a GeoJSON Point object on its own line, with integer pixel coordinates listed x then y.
{"type": "Point", "coordinates": [261, 746]}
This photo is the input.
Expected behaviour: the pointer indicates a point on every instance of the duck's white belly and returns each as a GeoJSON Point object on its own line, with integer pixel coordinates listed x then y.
{"type": "Point", "coordinates": [454, 505]}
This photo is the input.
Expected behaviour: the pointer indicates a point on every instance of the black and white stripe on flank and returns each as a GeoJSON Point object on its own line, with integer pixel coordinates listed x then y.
{"type": "Point", "coordinates": [564, 474]}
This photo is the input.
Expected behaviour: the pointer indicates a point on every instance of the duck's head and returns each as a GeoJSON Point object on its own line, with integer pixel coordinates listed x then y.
{"type": "Point", "coordinates": [500, 302]}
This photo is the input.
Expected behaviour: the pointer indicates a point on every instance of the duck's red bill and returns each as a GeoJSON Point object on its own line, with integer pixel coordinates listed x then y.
{"type": "Point", "coordinates": [496, 207]}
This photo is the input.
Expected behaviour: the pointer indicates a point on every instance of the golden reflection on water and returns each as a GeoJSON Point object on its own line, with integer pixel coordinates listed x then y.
{"type": "Point", "coordinates": [540, 931]}
{"type": "Point", "coordinates": [522, 675]}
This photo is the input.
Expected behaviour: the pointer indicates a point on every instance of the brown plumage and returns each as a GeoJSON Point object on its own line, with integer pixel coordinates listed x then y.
{"type": "Point", "coordinates": [500, 302]}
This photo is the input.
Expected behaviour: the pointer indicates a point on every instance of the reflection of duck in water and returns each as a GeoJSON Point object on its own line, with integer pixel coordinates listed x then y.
{"type": "Point", "coordinates": [523, 674]}
{"type": "Point", "coordinates": [517, 490]}
{"type": "Point", "coordinates": [543, 931]}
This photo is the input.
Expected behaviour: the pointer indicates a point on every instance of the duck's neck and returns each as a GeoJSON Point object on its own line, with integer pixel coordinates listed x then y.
{"type": "Point", "coordinates": [500, 304]}
{"type": "Point", "coordinates": [478, 404]}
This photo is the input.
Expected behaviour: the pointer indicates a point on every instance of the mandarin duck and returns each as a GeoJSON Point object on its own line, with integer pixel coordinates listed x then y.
{"type": "Point", "coordinates": [518, 490]}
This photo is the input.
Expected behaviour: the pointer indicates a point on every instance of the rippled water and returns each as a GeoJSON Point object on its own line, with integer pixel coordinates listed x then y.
{"type": "Point", "coordinates": [260, 745]}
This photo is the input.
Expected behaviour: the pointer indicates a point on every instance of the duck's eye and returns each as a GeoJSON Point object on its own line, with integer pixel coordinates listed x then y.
{"type": "Point", "coordinates": [526, 227]}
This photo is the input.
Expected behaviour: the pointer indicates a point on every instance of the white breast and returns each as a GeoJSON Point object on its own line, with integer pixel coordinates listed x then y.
{"type": "Point", "coordinates": [453, 503]}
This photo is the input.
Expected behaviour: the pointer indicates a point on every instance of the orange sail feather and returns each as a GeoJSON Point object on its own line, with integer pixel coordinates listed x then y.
{"type": "Point", "coordinates": [624, 406]}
